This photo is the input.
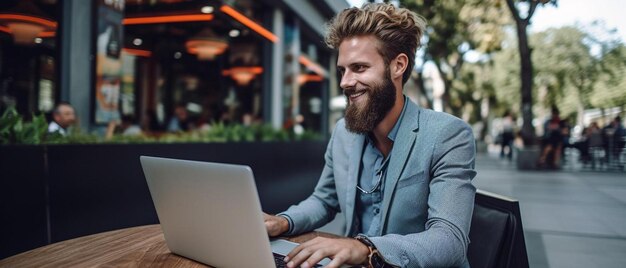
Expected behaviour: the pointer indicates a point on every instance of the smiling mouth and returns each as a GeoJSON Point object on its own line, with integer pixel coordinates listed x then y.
{"type": "Point", "coordinates": [353, 94]}
{"type": "Point", "coordinates": [357, 94]}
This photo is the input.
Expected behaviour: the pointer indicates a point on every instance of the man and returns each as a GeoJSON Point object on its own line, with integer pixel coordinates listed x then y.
{"type": "Point", "coordinates": [180, 121]}
{"type": "Point", "coordinates": [63, 117]}
{"type": "Point", "coordinates": [400, 174]}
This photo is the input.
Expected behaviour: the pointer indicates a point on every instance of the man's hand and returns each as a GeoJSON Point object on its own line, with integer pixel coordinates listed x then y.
{"type": "Point", "coordinates": [340, 250]}
{"type": "Point", "coordinates": [275, 225]}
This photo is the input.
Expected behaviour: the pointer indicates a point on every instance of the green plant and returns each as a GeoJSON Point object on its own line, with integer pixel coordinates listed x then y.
{"type": "Point", "coordinates": [14, 130]}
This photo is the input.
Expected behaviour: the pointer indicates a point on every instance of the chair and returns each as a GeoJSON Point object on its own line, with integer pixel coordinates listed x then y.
{"type": "Point", "coordinates": [496, 234]}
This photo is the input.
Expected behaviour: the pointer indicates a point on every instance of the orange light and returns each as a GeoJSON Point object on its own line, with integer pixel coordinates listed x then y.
{"type": "Point", "coordinates": [206, 49]}
{"type": "Point", "coordinates": [249, 23]}
{"type": "Point", "coordinates": [5, 29]}
{"type": "Point", "coordinates": [137, 52]}
{"type": "Point", "coordinates": [313, 66]}
{"type": "Point", "coordinates": [304, 78]}
{"type": "Point", "coordinates": [167, 19]}
{"type": "Point", "coordinates": [243, 75]}
{"type": "Point", "coordinates": [26, 18]}
{"type": "Point", "coordinates": [47, 34]}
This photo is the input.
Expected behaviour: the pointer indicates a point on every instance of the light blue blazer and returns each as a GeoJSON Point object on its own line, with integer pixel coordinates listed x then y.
{"type": "Point", "coordinates": [428, 196]}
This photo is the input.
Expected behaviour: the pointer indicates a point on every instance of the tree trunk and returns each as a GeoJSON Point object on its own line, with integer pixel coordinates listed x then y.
{"type": "Point", "coordinates": [526, 72]}
{"type": "Point", "coordinates": [528, 130]}
{"type": "Point", "coordinates": [580, 109]}
{"type": "Point", "coordinates": [419, 81]}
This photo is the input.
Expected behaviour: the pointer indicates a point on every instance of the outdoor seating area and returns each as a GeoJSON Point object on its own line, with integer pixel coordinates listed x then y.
{"type": "Point", "coordinates": [313, 133]}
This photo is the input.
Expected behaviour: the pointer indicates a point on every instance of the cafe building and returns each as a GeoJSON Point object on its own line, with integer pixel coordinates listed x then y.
{"type": "Point", "coordinates": [232, 61]}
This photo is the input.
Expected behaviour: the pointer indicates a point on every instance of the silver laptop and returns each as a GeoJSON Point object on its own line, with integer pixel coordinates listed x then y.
{"type": "Point", "coordinates": [211, 213]}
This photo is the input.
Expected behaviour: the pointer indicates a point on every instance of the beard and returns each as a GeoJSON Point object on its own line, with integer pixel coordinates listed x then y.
{"type": "Point", "coordinates": [381, 98]}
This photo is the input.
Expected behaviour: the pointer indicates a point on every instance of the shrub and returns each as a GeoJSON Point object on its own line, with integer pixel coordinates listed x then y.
{"type": "Point", "coordinates": [15, 130]}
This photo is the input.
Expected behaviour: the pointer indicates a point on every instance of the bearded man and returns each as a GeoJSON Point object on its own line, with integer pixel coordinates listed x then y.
{"type": "Point", "coordinates": [400, 174]}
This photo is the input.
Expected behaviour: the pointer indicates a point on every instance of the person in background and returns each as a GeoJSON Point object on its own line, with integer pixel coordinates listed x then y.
{"type": "Point", "coordinates": [125, 127]}
{"type": "Point", "coordinates": [400, 174]}
{"type": "Point", "coordinates": [507, 136]}
{"type": "Point", "coordinates": [552, 140]}
{"type": "Point", "coordinates": [181, 120]}
{"type": "Point", "coordinates": [63, 116]}
{"type": "Point", "coordinates": [614, 134]}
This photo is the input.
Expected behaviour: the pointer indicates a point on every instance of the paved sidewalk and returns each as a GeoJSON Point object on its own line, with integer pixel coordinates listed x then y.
{"type": "Point", "coordinates": [570, 218]}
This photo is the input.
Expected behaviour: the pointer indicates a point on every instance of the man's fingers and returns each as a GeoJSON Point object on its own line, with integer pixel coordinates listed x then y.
{"type": "Point", "coordinates": [297, 259]}
{"type": "Point", "coordinates": [302, 246]}
{"type": "Point", "coordinates": [310, 253]}
{"type": "Point", "coordinates": [316, 257]}
{"type": "Point", "coordinates": [336, 262]}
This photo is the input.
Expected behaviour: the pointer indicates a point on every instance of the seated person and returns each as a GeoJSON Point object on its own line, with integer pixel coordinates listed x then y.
{"type": "Point", "coordinates": [63, 117]}
{"type": "Point", "coordinates": [400, 174]}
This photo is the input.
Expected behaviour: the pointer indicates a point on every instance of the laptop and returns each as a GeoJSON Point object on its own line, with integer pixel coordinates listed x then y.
{"type": "Point", "coordinates": [211, 213]}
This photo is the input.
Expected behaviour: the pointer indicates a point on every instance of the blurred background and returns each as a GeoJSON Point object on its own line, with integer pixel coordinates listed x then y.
{"type": "Point", "coordinates": [150, 62]}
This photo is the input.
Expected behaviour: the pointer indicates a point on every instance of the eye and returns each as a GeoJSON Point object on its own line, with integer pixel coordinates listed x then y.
{"type": "Point", "coordinates": [359, 68]}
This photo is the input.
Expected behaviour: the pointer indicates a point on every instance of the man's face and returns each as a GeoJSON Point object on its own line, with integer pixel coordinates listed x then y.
{"type": "Point", "coordinates": [65, 117]}
{"type": "Point", "coordinates": [366, 82]}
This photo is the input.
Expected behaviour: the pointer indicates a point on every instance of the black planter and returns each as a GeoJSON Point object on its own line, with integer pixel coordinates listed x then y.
{"type": "Point", "coordinates": [89, 189]}
{"type": "Point", "coordinates": [23, 202]}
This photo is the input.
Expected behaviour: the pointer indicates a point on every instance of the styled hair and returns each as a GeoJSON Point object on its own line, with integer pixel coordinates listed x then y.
{"type": "Point", "coordinates": [57, 107]}
{"type": "Point", "coordinates": [398, 30]}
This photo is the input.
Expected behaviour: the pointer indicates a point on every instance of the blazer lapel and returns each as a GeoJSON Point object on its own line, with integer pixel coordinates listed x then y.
{"type": "Point", "coordinates": [353, 177]}
{"type": "Point", "coordinates": [402, 147]}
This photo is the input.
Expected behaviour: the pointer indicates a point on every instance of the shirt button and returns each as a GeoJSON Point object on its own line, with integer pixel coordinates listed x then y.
{"type": "Point", "coordinates": [376, 210]}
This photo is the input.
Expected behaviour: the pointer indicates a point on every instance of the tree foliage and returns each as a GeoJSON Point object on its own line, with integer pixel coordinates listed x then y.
{"type": "Point", "coordinates": [455, 28]}
{"type": "Point", "coordinates": [575, 70]}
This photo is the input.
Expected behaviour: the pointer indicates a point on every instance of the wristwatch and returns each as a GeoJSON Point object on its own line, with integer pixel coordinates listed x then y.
{"type": "Point", "coordinates": [374, 259]}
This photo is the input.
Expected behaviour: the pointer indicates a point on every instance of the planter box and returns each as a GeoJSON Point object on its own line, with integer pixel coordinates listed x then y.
{"type": "Point", "coordinates": [101, 187]}
{"type": "Point", "coordinates": [22, 199]}
{"type": "Point", "coordinates": [527, 158]}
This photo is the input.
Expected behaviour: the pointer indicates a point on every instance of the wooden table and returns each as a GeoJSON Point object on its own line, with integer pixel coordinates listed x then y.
{"type": "Point", "coordinates": [142, 246]}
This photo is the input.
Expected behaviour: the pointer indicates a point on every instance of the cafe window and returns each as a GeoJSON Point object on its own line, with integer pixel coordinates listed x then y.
{"type": "Point", "coordinates": [195, 54]}
{"type": "Point", "coordinates": [28, 55]}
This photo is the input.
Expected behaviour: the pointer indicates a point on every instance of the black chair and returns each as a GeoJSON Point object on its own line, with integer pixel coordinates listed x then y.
{"type": "Point", "coordinates": [496, 234]}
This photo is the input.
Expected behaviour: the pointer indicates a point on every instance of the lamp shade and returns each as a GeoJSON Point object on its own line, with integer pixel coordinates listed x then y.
{"type": "Point", "coordinates": [244, 74]}
{"type": "Point", "coordinates": [25, 22]}
{"type": "Point", "coordinates": [206, 49]}
{"type": "Point", "coordinates": [23, 32]}
{"type": "Point", "coordinates": [206, 45]}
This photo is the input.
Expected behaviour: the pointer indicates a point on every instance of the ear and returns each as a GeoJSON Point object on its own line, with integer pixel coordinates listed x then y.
{"type": "Point", "coordinates": [398, 66]}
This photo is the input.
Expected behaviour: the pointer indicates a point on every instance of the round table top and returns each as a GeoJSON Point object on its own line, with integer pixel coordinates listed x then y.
{"type": "Point", "coordinates": [142, 246]}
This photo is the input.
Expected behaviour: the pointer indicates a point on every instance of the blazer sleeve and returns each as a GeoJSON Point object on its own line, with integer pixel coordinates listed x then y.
{"type": "Point", "coordinates": [444, 241]}
{"type": "Point", "coordinates": [322, 206]}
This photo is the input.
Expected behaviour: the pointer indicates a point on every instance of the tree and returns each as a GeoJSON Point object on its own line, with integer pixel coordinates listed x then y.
{"type": "Point", "coordinates": [610, 91]}
{"type": "Point", "coordinates": [455, 28]}
{"type": "Point", "coordinates": [517, 9]}
{"type": "Point", "coordinates": [578, 66]}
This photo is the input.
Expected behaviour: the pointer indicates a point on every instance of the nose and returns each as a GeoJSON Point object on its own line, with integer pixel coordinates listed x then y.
{"type": "Point", "coordinates": [348, 80]}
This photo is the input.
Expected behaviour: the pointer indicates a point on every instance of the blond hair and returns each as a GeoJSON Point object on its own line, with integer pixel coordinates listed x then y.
{"type": "Point", "coordinates": [398, 30]}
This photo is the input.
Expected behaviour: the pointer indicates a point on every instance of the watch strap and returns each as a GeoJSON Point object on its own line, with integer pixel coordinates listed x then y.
{"type": "Point", "coordinates": [374, 259]}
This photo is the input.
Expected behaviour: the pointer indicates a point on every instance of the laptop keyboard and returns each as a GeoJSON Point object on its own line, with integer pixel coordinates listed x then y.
{"type": "Point", "coordinates": [278, 259]}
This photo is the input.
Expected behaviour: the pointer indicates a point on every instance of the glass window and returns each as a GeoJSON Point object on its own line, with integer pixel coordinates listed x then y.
{"type": "Point", "coordinates": [28, 55]}
{"type": "Point", "coordinates": [195, 56]}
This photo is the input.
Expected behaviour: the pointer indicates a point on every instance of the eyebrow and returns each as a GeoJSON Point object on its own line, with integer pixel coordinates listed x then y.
{"type": "Point", "coordinates": [355, 64]}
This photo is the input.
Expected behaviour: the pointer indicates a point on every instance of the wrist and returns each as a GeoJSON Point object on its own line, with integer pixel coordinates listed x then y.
{"type": "Point", "coordinates": [374, 258]}
{"type": "Point", "coordinates": [364, 251]}
{"type": "Point", "coordinates": [284, 224]}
